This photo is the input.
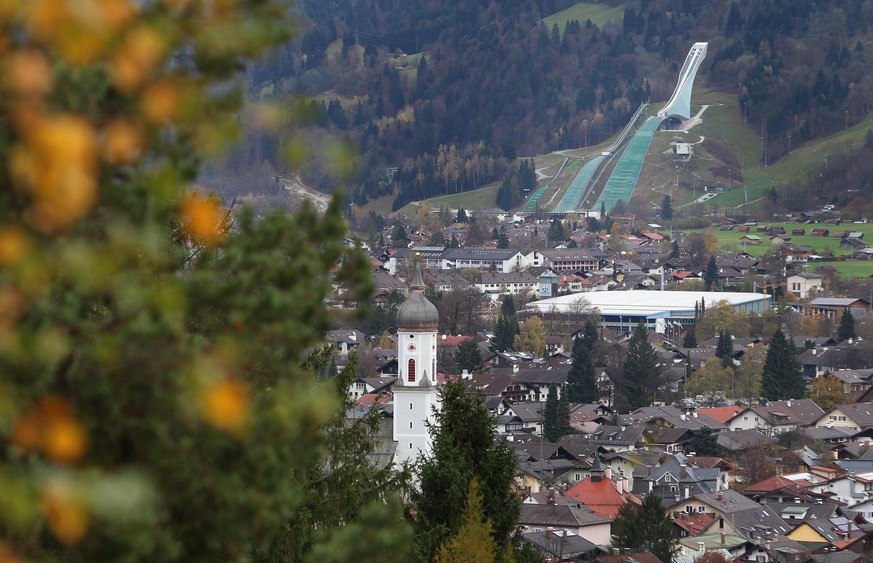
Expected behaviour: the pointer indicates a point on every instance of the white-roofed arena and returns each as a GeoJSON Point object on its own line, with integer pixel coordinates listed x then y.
{"type": "Point", "coordinates": [622, 310]}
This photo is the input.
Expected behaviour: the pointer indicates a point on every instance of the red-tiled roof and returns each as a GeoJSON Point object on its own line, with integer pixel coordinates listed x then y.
{"type": "Point", "coordinates": [449, 341]}
{"type": "Point", "coordinates": [721, 414]}
{"type": "Point", "coordinates": [695, 524]}
{"type": "Point", "coordinates": [600, 496]}
{"type": "Point", "coordinates": [373, 399]}
{"type": "Point", "coordinates": [776, 483]}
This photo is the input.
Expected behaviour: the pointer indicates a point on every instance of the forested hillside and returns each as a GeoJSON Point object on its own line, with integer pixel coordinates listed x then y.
{"type": "Point", "coordinates": [450, 93]}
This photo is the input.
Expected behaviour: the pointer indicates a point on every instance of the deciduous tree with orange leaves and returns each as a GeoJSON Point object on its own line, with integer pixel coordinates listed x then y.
{"type": "Point", "coordinates": [153, 399]}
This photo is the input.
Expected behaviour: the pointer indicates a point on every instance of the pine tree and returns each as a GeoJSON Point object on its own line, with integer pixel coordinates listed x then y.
{"type": "Point", "coordinates": [556, 231]}
{"type": "Point", "coordinates": [781, 377]}
{"type": "Point", "coordinates": [667, 207]}
{"type": "Point", "coordinates": [674, 249]}
{"type": "Point", "coordinates": [710, 275]}
{"type": "Point", "coordinates": [690, 338]}
{"type": "Point", "coordinates": [642, 370]}
{"type": "Point", "coordinates": [724, 349]}
{"type": "Point", "coordinates": [469, 357]}
{"type": "Point", "coordinates": [646, 527]}
{"type": "Point", "coordinates": [846, 329]}
{"type": "Point", "coordinates": [474, 542]}
{"type": "Point", "coordinates": [556, 420]}
{"type": "Point", "coordinates": [581, 379]}
{"type": "Point", "coordinates": [465, 447]}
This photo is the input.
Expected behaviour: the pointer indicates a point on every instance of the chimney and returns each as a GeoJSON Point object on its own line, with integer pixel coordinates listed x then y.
{"type": "Point", "coordinates": [514, 368]}
{"type": "Point", "coordinates": [682, 416]}
{"type": "Point", "coordinates": [701, 546]}
{"type": "Point", "coordinates": [465, 374]}
{"type": "Point", "coordinates": [688, 493]}
{"type": "Point", "coordinates": [814, 351]}
{"type": "Point", "coordinates": [788, 403]}
{"type": "Point", "coordinates": [723, 538]}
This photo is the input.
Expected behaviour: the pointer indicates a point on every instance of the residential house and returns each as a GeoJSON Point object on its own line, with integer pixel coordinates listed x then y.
{"type": "Point", "coordinates": [777, 417]}
{"type": "Point", "coordinates": [557, 546]}
{"type": "Point", "coordinates": [574, 517]}
{"type": "Point", "coordinates": [804, 285]}
{"type": "Point", "coordinates": [600, 492]}
{"type": "Point", "coordinates": [855, 416]}
{"type": "Point", "coordinates": [675, 479]}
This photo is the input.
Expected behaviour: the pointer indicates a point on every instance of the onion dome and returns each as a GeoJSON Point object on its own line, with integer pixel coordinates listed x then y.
{"type": "Point", "coordinates": [417, 312]}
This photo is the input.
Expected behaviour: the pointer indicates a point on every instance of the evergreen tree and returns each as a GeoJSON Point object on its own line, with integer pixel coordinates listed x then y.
{"type": "Point", "coordinates": [462, 213]}
{"type": "Point", "coordinates": [724, 349]}
{"type": "Point", "coordinates": [590, 335]}
{"type": "Point", "coordinates": [167, 407]}
{"type": "Point", "coordinates": [502, 240]}
{"type": "Point", "coordinates": [703, 442]}
{"type": "Point", "coordinates": [642, 370]}
{"type": "Point", "coordinates": [646, 527]}
{"type": "Point", "coordinates": [556, 231]}
{"type": "Point", "coordinates": [469, 357]}
{"type": "Point", "coordinates": [556, 419]}
{"type": "Point", "coordinates": [667, 207]}
{"type": "Point", "coordinates": [781, 377]}
{"type": "Point", "coordinates": [674, 249]}
{"type": "Point", "coordinates": [464, 449]}
{"type": "Point", "coordinates": [710, 275]}
{"type": "Point", "coordinates": [581, 379]}
{"type": "Point", "coordinates": [474, 542]}
{"type": "Point", "coordinates": [846, 329]}
{"type": "Point", "coordinates": [690, 338]}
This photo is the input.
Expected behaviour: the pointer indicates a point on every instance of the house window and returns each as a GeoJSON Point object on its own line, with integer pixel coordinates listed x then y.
{"type": "Point", "coordinates": [410, 406]}
{"type": "Point", "coordinates": [832, 417]}
{"type": "Point", "coordinates": [578, 476]}
{"type": "Point", "coordinates": [689, 509]}
{"type": "Point", "coordinates": [746, 418]}
{"type": "Point", "coordinates": [410, 371]}
{"type": "Point", "coordinates": [701, 509]}
{"type": "Point", "coordinates": [843, 418]}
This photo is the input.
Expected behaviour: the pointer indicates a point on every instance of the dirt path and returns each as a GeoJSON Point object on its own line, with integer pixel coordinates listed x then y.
{"type": "Point", "coordinates": [296, 186]}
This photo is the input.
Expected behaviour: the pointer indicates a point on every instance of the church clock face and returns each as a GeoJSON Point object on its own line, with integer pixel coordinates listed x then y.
{"type": "Point", "coordinates": [411, 347]}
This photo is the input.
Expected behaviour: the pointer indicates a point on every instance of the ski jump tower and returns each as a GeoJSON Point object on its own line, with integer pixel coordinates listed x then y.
{"type": "Point", "coordinates": [680, 102]}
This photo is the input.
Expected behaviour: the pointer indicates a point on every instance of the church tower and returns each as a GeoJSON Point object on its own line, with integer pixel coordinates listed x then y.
{"type": "Point", "coordinates": [415, 392]}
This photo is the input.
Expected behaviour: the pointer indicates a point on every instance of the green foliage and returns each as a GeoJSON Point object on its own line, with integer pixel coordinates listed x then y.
{"type": "Point", "coordinates": [157, 402]}
{"type": "Point", "coordinates": [581, 380]}
{"type": "Point", "coordinates": [474, 541]}
{"type": "Point", "coordinates": [557, 231]}
{"type": "Point", "coordinates": [781, 377]}
{"type": "Point", "coordinates": [464, 449]}
{"type": "Point", "coordinates": [689, 340]}
{"type": "Point", "coordinates": [724, 349]}
{"type": "Point", "coordinates": [646, 527]}
{"type": "Point", "coordinates": [667, 207]}
{"type": "Point", "coordinates": [469, 357]}
{"type": "Point", "coordinates": [641, 376]}
{"type": "Point", "coordinates": [703, 442]}
{"type": "Point", "coordinates": [846, 328]}
{"type": "Point", "coordinates": [556, 417]}
{"type": "Point", "coordinates": [710, 275]}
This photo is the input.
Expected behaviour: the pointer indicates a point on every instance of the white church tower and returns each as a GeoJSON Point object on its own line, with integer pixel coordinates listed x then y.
{"type": "Point", "coordinates": [415, 392]}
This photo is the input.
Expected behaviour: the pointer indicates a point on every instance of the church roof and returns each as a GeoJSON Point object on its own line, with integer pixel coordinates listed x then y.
{"type": "Point", "coordinates": [417, 312]}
